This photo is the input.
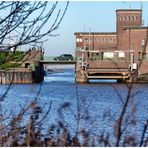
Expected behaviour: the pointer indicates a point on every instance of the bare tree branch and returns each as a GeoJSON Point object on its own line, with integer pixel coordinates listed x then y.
{"type": "Point", "coordinates": [28, 20]}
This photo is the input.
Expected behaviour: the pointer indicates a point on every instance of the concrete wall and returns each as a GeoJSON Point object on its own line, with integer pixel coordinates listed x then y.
{"type": "Point", "coordinates": [16, 76]}
{"type": "Point", "coordinates": [22, 75]}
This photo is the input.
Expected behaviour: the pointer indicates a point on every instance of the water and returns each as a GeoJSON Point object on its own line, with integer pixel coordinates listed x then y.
{"type": "Point", "coordinates": [99, 104]}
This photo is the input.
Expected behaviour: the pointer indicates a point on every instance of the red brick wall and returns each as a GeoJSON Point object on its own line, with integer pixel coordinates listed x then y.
{"type": "Point", "coordinates": [96, 41]}
{"type": "Point", "coordinates": [125, 19]}
{"type": "Point", "coordinates": [108, 65]}
{"type": "Point", "coordinates": [124, 39]}
{"type": "Point", "coordinates": [143, 67]}
{"type": "Point", "coordinates": [132, 40]}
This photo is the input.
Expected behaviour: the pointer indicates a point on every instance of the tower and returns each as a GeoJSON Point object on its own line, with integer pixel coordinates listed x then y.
{"type": "Point", "coordinates": [126, 18]}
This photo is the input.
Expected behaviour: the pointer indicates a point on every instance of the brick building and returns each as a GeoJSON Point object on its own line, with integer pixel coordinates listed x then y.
{"type": "Point", "coordinates": [125, 48]}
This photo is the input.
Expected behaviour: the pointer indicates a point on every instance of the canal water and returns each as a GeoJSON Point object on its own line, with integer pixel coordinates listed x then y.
{"type": "Point", "coordinates": [97, 105]}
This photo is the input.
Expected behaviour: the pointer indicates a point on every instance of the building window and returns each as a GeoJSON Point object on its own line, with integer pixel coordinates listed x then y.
{"type": "Point", "coordinates": [121, 54]}
{"type": "Point", "coordinates": [129, 18]}
{"type": "Point", "coordinates": [143, 42]}
{"type": "Point", "coordinates": [139, 56]}
{"type": "Point", "coordinates": [108, 55]}
{"type": "Point", "coordinates": [27, 65]}
{"type": "Point", "coordinates": [120, 18]}
{"type": "Point", "coordinates": [78, 40]}
{"type": "Point", "coordinates": [133, 18]}
{"type": "Point", "coordinates": [86, 40]}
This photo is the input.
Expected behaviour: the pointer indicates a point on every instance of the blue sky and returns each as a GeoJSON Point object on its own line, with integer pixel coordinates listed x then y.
{"type": "Point", "coordinates": [98, 15]}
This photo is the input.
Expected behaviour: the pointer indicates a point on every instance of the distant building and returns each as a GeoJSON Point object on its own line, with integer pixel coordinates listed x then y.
{"type": "Point", "coordinates": [29, 71]}
{"type": "Point", "coordinates": [130, 36]}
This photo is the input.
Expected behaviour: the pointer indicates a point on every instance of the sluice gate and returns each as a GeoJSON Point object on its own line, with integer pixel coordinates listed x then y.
{"type": "Point", "coordinates": [105, 68]}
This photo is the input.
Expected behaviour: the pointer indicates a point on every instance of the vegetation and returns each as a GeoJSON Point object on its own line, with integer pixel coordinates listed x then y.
{"type": "Point", "coordinates": [9, 59]}
{"type": "Point", "coordinates": [14, 131]}
{"type": "Point", "coordinates": [31, 133]}
{"type": "Point", "coordinates": [9, 65]}
{"type": "Point", "coordinates": [25, 24]}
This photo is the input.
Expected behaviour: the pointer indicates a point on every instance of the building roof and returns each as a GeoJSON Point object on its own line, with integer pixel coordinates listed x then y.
{"type": "Point", "coordinates": [135, 27]}
{"type": "Point", "coordinates": [128, 10]}
{"type": "Point", "coordinates": [96, 33]}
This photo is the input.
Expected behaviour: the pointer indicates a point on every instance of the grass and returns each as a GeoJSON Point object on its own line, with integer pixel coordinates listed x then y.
{"type": "Point", "coordinates": [7, 65]}
{"type": "Point", "coordinates": [7, 57]}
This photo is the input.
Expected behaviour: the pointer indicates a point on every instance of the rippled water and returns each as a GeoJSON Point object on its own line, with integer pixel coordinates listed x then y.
{"type": "Point", "coordinates": [99, 104]}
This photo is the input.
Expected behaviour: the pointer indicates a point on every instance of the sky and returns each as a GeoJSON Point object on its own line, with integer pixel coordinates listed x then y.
{"type": "Point", "coordinates": [99, 16]}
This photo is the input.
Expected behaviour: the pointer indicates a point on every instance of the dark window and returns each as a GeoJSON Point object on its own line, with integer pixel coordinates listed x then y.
{"type": "Point", "coordinates": [133, 18]}
{"type": "Point", "coordinates": [27, 65]}
{"type": "Point", "coordinates": [86, 39]}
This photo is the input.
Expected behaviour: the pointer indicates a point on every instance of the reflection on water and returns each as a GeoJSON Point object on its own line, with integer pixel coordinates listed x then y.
{"type": "Point", "coordinates": [100, 103]}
